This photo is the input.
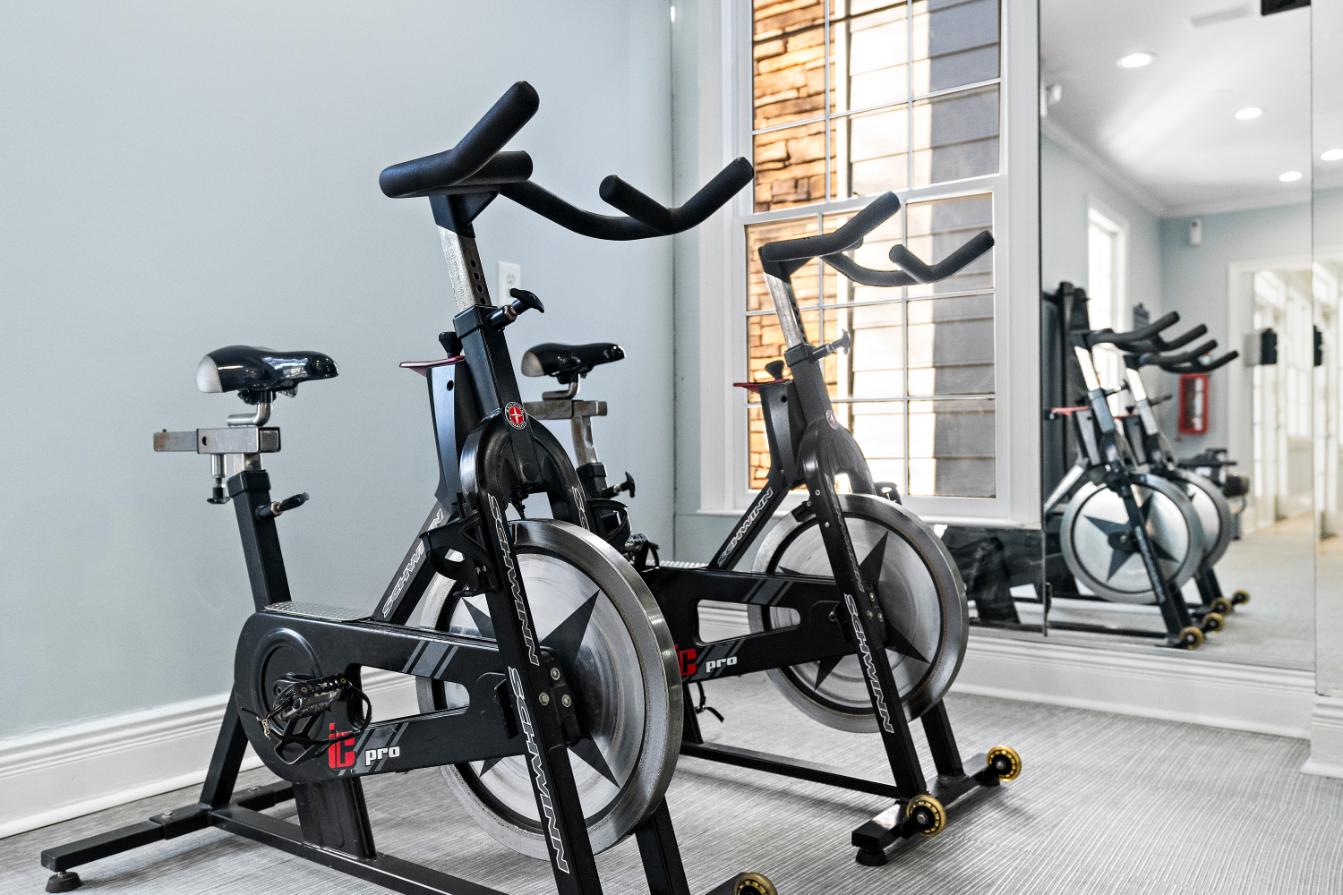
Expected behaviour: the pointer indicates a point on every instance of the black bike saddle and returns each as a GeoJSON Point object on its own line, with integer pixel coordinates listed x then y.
{"type": "Point", "coordinates": [256, 373]}
{"type": "Point", "coordinates": [568, 362]}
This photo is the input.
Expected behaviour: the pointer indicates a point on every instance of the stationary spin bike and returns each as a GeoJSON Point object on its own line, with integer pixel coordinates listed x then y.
{"type": "Point", "coordinates": [1130, 534]}
{"type": "Point", "coordinates": [572, 692]}
{"type": "Point", "coordinates": [856, 611]}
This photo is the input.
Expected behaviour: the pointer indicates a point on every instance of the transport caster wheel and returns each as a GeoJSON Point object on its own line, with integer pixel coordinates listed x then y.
{"type": "Point", "coordinates": [1222, 605]}
{"type": "Point", "coordinates": [65, 881]}
{"type": "Point", "coordinates": [1005, 761]}
{"type": "Point", "coordinates": [927, 812]}
{"type": "Point", "coordinates": [1213, 621]}
{"type": "Point", "coordinates": [1240, 598]}
{"type": "Point", "coordinates": [754, 884]}
{"type": "Point", "coordinates": [1192, 638]}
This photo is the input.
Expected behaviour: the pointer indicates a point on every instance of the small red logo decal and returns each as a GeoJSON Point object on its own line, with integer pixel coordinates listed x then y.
{"type": "Point", "coordinates": [516, 416]}
{"type": "Point", "coordinates": [688, 657]}
{"type": "Point", "coordinates": [340, 754]}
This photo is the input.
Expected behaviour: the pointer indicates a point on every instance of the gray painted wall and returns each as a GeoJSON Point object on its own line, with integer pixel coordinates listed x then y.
{"type": "Point", "coordinates": [1195, 283]}
{"type": "Point", "coordinates": [1067, 182]}
{"type": "Point", "coordinates": [183, 176]}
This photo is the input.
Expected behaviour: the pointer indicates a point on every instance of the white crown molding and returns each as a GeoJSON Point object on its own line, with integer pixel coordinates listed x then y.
{"type": "Point", "coordinates": [1326, 738]}
{"type": "Point", "coordinates": [1298, 195]}
{"type": "Point", "coordinates": [1097, 163]}
{"type": "Point", "coordinates": [1293, 196]}
{"type": "Point", "coordinates": [53, 775]}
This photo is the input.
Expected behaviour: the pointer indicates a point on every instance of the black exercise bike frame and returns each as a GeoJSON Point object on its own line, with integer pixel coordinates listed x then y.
{"type": "Point", "coordinates": [839, 617]}
{"type": "Point", "coordinates": [490, 456]}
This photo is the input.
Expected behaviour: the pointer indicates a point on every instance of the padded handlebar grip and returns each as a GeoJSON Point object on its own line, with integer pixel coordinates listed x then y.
{"type": "Point", "coordinates": [867, 276]}
{"type": "Point", "coordinates": [1142, 334]}
{"type": "Point", "coordinates": [710, 197]}
{"type": "Point", "coordinates": [598, 226]}
{"type": "Point", "coordinates": [803, 249]}
{"type": "Point", "coordinates": [1181, 340]}
{"type": "Point", "coordinates": [1164, 360]}
{"type": "Point", "coordinates": [440, 171]}
{"type": "Point", "coordinates": [1200, 367]}
{"type": "Point", "coordinates": [952, 264]}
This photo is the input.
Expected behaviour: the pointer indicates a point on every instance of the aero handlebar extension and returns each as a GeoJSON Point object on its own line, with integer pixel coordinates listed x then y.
{"type": "Point", "coordinates": [424, 176]}
{"type": "Point", "coordinates": [787, 256]}
{"type": "Point", "coordinates": [1197, 366]}
{"type": "Point", "coordinates": [1155, 359]}
{"type": "Point", "coordinates": [783, 258]}
{"type": "Point", "coordinates": [480, 165]}
{"type": "Point", "coordinates": [1142, 334]}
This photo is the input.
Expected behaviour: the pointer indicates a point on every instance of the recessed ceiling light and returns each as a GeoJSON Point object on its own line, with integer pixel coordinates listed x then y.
{"type": "Point", "coordinates": [1249, 113]}
{"type": "Point", "coordinates": [1135, 60]}
{"type": "Point", "coordinates": [1290, 176]}
{"type": "Point", "coordinates": [1331, 155]}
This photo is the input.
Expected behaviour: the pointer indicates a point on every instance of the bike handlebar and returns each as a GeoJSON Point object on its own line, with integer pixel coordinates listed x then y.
{"type": "Point", "coordinates": [480, 165]}
{"type": "Point", "coordinates": [648, 211]}
{"type": "Point", "coordinates": [1155, 359]}
{"type": "Point", "coordinates": [783, 258]}
{"type": "Point", "coordinates": [913, 270]}
{"type": "Point", "coordinates": [431, 173]}
{"type": "Point", "coordinates": [1179, 341]}
{"type": "Point", "coordinates": [1142, 334]}
{"type": "Point", "coordinates": [948, 266]}
{"type": "Point", "coordinates": [1201, 366]}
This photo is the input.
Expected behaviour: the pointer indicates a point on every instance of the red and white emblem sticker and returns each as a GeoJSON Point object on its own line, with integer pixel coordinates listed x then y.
{"type": "Point", "coordinates": [516, 416]}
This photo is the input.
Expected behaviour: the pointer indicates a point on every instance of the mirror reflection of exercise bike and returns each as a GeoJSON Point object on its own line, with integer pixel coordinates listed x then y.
{"type": "Point", "coordinates": [834, 584]}
{"type": "Point", "coordinates": [1153, 449]}
{"type": "Point", "coordinates": [1126, 525]}
{"type": "Point", "coordinates": [571, 696]}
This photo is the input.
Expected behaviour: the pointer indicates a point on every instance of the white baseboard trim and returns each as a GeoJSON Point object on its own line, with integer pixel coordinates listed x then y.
{"type": "Point", "coordinates": [51, 776]}
{"type": "Point", "coordinates": [1149, 684]}
{"type": "Point", "coordinates": [1174, 687]}
{"type": "Point", "coordinates": [1326, 738]}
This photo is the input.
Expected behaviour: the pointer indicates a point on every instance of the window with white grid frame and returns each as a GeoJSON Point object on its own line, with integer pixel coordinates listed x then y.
{"type": "Point", "coordinates": [851, 99]}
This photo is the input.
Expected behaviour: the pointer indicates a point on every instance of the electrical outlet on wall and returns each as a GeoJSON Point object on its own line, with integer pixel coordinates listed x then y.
{"type": "Point", "coordinates": [510, 277]}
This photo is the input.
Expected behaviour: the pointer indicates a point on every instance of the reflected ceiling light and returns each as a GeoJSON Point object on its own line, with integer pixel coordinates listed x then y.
{"type": "Point", "coordinates": [1135, 60]}
{"type": "Point", "coordinates": [1331, 155]}
{"type": "Point", "coordinates": [1249, 113]}
{"type": "Point", "coordinates": [1290, 176]}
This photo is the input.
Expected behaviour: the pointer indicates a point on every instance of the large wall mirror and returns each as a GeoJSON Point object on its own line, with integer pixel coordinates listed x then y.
{"type": "Point", "coordinates": [1176, 166]}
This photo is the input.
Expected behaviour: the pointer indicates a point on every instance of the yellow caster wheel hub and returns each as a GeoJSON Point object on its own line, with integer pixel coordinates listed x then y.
{"type": "Point", "coordinates": [930, 811]}
{"type": "Point", "coordinates": [1005, 761]}
{"type": "Point", "coordinates": [1192, 638]}
{"type": "Point", "coordinates": [754, 884]}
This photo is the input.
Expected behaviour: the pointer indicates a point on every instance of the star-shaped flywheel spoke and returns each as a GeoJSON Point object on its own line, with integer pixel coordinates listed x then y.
{"type": "Point", "coordinates": [824, 667]}
{"type": "Point", "coordinates": [1118, 555]}
{"type": "Point", "coordinates": [871, 568]}
{"type": "Point", "coordinates": [587, 750]}
{"type": "Point", "coordinates": [568, 635]}
{"type": "Point", "coordinates": [481, 619]}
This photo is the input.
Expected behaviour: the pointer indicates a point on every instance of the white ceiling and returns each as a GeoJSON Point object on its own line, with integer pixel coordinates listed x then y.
{"type": "Point", "coordinates": [1169, 128]}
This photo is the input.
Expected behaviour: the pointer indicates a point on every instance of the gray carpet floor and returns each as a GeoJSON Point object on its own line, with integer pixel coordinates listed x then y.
{"type": "Point", "coordinates": [1276, 564]}
{"type": "Point", "coordinates": [1106, 804]}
